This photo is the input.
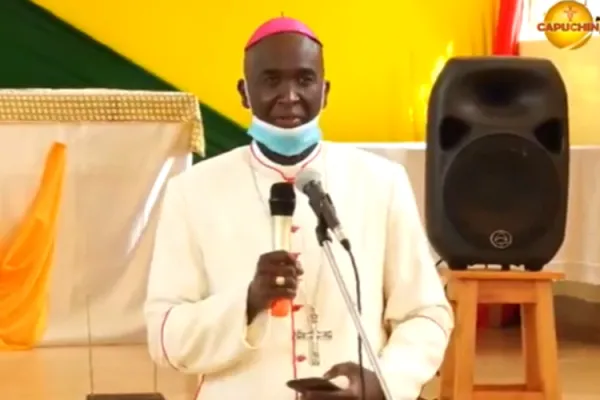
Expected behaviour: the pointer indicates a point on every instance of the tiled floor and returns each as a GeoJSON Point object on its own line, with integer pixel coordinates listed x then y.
{"type": "Point", "coordinates": [64, 373]}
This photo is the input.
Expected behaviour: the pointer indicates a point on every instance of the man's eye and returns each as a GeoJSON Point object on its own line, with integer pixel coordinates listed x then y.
{"type": "Point", "coordinates": [306, 80]}
{"type": "Point", "coordinates": [271, 80]}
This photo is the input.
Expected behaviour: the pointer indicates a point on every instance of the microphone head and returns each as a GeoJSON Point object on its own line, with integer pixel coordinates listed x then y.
{"type": "Point", "coordinates": [282, 200]}
{"type": "Point", "coordinates": [306, 177]}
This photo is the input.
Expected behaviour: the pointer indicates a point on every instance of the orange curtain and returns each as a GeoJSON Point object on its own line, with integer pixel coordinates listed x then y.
{"type": "Point", "coordinates": [26, 257]}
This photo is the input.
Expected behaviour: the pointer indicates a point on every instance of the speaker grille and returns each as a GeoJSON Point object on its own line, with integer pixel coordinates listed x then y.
{"type": "Point", "coordinates": [502, 191]}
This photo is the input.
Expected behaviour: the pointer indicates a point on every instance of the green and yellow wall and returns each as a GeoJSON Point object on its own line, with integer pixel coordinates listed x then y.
{"type": "Point", "coordinates": [381, 57]}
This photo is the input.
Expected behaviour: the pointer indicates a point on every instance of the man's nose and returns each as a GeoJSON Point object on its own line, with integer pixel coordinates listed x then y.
{"type": "Point", "coordinates": [289, 94]}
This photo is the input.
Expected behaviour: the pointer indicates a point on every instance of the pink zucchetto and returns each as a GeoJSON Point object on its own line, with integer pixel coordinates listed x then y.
{"type": "Point", "coordinates": [280, 25]}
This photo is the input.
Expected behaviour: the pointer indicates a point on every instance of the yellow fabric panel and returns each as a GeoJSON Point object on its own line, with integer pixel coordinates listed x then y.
{"type": "Point", "coordinates": [26, 257]}
{"type": "Point", "coordinates": [381, 58]}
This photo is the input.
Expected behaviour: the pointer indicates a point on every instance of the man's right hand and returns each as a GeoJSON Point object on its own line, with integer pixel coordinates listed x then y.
{"type": "Point", "coordinates": [276, 277]}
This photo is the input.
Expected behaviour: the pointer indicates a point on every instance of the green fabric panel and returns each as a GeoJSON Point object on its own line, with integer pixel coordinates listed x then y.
{"type": "Point", "coordinates": [37, 50]}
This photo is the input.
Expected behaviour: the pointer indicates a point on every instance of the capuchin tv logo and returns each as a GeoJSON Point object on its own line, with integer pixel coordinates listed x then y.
{"type": "Point", "coordinates": [569, 25]}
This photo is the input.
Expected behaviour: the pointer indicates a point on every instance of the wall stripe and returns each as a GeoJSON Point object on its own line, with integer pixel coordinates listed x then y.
{"type": "Point", "coordinates": [380, 59]}
{"type": "Point", "coordinates": [39, 50]}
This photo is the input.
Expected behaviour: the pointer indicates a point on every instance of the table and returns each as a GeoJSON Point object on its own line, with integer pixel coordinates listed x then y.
{"type": "Point", "coordinates": [121, 149]}
{"type": "Point", "coordinates": [577, 300]}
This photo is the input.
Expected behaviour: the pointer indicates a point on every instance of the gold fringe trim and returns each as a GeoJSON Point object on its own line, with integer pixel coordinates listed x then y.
{"type": "Point", "coordinates": [104, 106]}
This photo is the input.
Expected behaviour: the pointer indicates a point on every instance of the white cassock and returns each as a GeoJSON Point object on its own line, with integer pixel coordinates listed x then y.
{"type": "Point", "coordinates": [214, 225]}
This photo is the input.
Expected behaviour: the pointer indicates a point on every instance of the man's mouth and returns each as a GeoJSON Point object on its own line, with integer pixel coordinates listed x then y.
{"type": "Point", "coordinates": [288, 122]}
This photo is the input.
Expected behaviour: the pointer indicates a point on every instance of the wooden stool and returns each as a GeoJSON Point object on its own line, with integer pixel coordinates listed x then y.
{"type": "Point", "coordinates": [533, 291]}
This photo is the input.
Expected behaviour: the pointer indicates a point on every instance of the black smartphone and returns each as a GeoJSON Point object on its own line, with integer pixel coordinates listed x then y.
{"type": "Point", "coordinates": [312, 385]}
{"type": "Point", "coordinates": [126, 396]}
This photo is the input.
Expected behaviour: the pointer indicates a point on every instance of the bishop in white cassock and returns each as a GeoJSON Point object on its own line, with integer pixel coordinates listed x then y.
{"type": "Point", "coordinates": [215, 224]}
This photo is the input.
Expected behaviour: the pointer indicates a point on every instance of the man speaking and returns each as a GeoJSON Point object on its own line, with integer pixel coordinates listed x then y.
{"type": "Point", "coordinates": [215, 276]}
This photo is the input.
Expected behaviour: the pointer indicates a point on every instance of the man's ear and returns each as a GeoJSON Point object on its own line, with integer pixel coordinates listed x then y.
{"type": "Point", "coordinates": [326, 93]}
{"type": "Point", "coordinates": [241, 88]}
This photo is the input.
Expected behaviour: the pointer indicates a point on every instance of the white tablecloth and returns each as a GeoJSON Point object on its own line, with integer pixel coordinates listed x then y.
{"type": "Point", "coordinates": [579, 256]}
{"type": "Point", "coordinates": [121, 148]}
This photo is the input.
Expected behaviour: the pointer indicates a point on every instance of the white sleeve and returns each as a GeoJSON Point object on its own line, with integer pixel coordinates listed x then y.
{"type": "Point", "coordinates": [417, 313]}
{"type": "Point", "coordinates": [189, 328]}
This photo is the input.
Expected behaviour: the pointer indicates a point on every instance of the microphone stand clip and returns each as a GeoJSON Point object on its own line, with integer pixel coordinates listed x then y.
{"type": "Point", "coordinates": [324, 240]}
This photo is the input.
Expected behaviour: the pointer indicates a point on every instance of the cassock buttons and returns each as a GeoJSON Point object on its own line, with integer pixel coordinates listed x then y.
{"type": "Point", "coordinates": [300, 358]}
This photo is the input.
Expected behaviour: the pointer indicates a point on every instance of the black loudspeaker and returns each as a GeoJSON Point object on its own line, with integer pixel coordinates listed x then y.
{"type": "Point", "coordinates": [497, 163]}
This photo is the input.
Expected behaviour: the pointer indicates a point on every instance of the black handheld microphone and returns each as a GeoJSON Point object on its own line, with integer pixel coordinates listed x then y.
{"type": "Point", "coordinates": [309, 182]}
{"type": "Point", "coordinates": [282, 203]}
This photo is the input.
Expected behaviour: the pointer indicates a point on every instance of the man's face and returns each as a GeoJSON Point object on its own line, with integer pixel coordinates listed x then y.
{"type": "Point", "coordinates": [284, 75]}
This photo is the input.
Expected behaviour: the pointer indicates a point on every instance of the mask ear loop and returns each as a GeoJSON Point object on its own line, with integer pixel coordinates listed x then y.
{"type": "Point", "coordinates": [323, 87]}
{"type": "Point", "coordinates": [323, 90]}
{"type": "Point", "coordinates": [247, 93]}
{"type": "Point", "coordinates": [315, 120]}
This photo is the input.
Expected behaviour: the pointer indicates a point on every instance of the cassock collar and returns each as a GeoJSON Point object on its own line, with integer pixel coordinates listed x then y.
{"type": "Point", "coordinates": [265, 167]}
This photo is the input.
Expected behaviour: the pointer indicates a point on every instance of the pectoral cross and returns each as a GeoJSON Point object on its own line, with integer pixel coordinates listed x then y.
{"type": "Point", "coordinates": [314, 335]}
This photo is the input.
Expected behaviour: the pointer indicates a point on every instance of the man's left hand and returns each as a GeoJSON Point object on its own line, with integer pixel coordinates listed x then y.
{"type": "Point", "coordinates": [354, 391]}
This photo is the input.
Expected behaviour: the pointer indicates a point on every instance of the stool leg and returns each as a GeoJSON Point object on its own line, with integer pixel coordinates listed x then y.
{"type": "Point", "coordinates": [529, 344]}
{"type": "Point", "coordinates": [448, 366]}
{"type": "Point", "coordinates": [546, 340]}
{"type": "Point", "coordinates": [465, 333]}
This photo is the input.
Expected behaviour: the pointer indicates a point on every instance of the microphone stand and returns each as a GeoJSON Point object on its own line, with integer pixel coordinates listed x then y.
{"type": "Point", "coordinates": [325, 243]}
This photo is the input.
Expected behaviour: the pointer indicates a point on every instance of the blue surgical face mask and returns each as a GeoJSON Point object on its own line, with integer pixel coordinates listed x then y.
{"type": "Point", "coordinates": [286, 141]}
